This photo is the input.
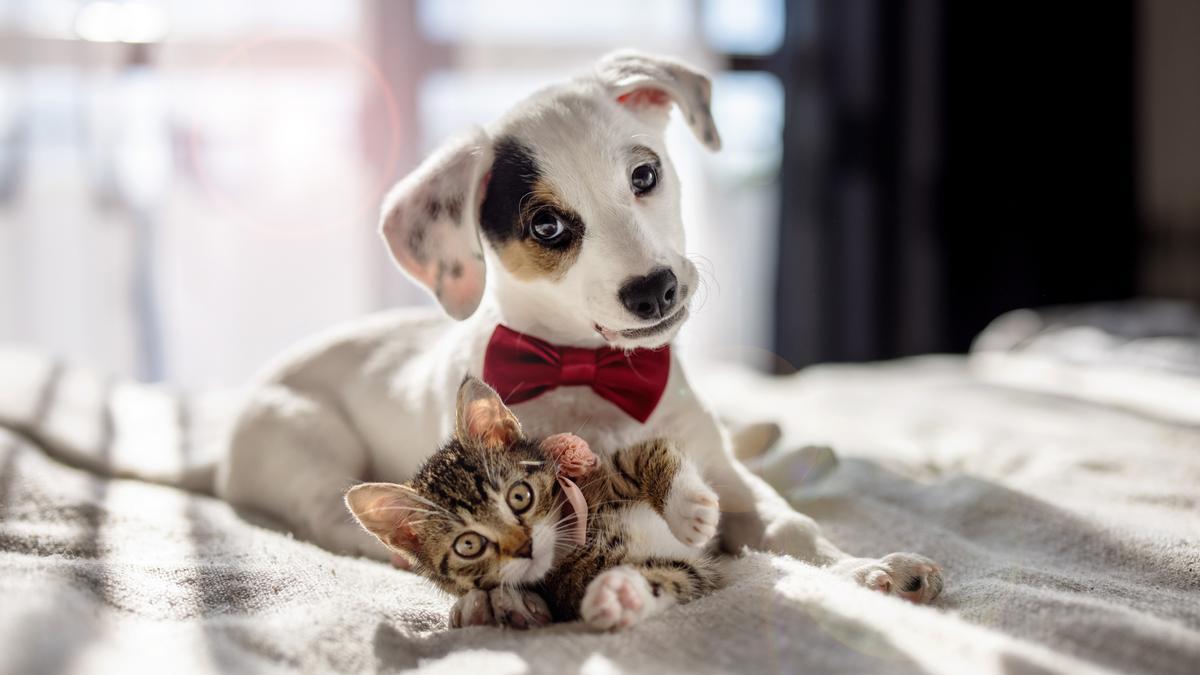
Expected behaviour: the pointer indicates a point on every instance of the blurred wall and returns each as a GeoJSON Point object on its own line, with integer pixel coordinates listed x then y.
{"type": "Point", "coordinates": [1170, 151]}
{"type": "Point", "coordinates": [187, 188]}
{"type": "Point", "coordinates": [945, 162]}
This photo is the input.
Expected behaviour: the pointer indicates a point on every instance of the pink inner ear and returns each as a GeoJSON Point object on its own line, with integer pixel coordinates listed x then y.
{"type": "Point", "coordinates": [640, 97]}
{"type": "Point", "coordinates": [404, 537]}
{"type": "Point", "coordinates": [488, 423]}
{"type": "Point", "coordinates": [387, 513]}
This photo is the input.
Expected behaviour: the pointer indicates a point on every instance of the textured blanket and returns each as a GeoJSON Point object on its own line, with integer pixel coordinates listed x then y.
{"type": "Point", "coordinates": [1070, 534]}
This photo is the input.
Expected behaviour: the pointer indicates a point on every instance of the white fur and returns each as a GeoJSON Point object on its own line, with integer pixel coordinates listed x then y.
{"type": "Point", "coordinates": [692, 509]}
{"type": "Point", "coordinates": [619, 598]}
{"type": "Point", "coordinates": [529, 570]}
{"type": "Point", "coordinates": [378, 396]}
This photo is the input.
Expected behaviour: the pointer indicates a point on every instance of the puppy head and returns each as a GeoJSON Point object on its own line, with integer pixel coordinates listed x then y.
{"type": "Point", "coordinates": [572, 201]}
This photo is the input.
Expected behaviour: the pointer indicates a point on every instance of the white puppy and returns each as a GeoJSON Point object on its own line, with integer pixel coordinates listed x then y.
{"type": "Point", "coordinates": [560, 221]}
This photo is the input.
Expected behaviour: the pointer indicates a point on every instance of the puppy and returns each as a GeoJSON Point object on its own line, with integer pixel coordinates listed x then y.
{"type": "Point", "coordinates": [554, 242]}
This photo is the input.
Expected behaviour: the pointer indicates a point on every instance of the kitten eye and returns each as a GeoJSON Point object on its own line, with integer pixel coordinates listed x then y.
{"type": "Point", "coordinates": [546, 227]}
{"type": "Point", "coordinates": [643, 179]}
{"type": "Point", "coordinates": [520, 497]}
{"type": "Point", "coordinates": [469, 545]}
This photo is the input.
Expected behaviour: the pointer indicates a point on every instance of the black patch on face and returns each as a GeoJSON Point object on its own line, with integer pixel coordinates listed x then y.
{"type": "Point", "coordinates": [517, 192]}
{"type": "Point", "coordinates": [456, 269]}
{"type": "Point", "coordinates": [514, 172]}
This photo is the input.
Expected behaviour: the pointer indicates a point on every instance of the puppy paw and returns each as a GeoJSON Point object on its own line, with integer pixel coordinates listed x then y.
{"type": "Point", "coordinates": [618, 598]}
{"type": "Point", "coordinates": [906, 575]}
{"type": "Point", "coordinates": [692, 512]}
{"type": "Point", "coordinates": [518, 608]}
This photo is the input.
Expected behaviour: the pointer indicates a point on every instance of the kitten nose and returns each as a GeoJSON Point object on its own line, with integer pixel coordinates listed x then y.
{"type": "Point", "coordinates": [526, 550]}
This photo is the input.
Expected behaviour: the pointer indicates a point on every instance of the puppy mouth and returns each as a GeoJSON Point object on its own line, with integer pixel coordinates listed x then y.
{"type": "Point", "coordinates": [659, 328]}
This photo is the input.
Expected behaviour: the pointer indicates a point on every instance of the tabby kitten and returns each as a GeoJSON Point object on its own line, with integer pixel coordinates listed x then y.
{"type": "Point", "coordinates": [487, 513]}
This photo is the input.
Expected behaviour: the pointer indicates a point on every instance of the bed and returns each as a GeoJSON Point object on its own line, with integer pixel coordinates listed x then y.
{"type": "Point", "coordinates": [1065, 510]}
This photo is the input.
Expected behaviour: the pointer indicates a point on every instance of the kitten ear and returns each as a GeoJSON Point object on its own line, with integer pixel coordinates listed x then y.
{"type": "Point", "coordinates": [388, 511]}
{"type": "Point", "coordinates": [483, 418]}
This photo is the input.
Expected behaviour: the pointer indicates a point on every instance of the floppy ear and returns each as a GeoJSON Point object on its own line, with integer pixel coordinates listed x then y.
{"type": "Point", "coordinates": [483, 418]}
{"type": "Point", "coordinates": [430, 221]}
{"type": "Point", "coordinates": [646, 85]}
{"type": "Point", "coordinates": [388, 511]}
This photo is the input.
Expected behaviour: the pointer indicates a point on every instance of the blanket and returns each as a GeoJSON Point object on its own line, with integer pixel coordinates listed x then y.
{"type": "Point", "coordinates": [1069, 532]}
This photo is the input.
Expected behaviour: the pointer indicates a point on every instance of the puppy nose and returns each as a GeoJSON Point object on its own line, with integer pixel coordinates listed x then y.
{"type": "Point", "coordinates": [650, 296]}
{"type": "Point", "coordinates": [526, 550]}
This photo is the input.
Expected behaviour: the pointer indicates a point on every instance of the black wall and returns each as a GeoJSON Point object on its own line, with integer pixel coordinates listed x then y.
{"type": "Point", "coordinates": [962, 160]}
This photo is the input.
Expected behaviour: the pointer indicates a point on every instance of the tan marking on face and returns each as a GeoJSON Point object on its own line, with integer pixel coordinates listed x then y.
{"type": "Point", "coordinates": [528, 260]}
{"type": "Point", "coordinates": [542, 195]}
{"type": "Point", "coordinates": [524, 257]}
{"type": "Point", "coordinates": [512, 542]}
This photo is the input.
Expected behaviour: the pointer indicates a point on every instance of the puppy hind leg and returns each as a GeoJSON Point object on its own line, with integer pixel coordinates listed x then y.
{"type": "Point", "coordinates": [291, 457]}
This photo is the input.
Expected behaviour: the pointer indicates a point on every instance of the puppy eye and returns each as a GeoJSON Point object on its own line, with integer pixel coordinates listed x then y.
{"type": "Point", "coordinates": [643, 179]}
{"type": "Point", "coordinates": [469, 545]}
{"type": "Point", "coordinates": [520, 497]}
{"type": "Point", "coordinates": [546, 228]}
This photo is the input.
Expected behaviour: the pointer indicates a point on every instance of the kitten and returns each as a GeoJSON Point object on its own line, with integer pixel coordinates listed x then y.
{"type": "Point", "coordinates": [487, 511]}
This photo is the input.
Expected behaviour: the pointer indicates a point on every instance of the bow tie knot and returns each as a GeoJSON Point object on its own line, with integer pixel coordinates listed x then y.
{"type": "Point", "coordinates": [520, 367]}
{"type": "Point", "coordinates": [577, 367]}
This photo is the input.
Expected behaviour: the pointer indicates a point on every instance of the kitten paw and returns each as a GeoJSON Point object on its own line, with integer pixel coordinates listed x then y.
{"type": "Point", "coordinates": [472, 609]}
{"type": "Point", "coordinates": [907, 575]}
{"type": "Point", "coordinates": [692, 512]}
{"type": "Point", "coordinates": [618, 598]}
{"type": "Point", "coordinates": [517, 608]}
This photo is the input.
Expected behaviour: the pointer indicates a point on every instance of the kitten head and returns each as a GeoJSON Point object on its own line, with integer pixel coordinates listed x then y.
{"type": "Point", "coordinates": [482, 511]}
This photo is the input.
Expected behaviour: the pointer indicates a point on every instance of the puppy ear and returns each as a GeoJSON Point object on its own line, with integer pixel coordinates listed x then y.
{"type": "Point", "coordinates": [388, 511]}
{"type": "Point", "coordinates": [430, 221]}
{"type": "Point", "coordinates": [646, 85]}
{"type": "Point", "coordinates": [483, 418]}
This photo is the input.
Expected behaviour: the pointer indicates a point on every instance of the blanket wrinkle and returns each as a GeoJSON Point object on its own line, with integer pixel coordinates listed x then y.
{"type": "Point", "coordinates": [1064, 529]}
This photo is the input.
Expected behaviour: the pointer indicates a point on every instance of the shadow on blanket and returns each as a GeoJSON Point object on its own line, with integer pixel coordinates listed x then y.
{"type": "Point", "coordinates": [1020, 565]}
{"type": "Point", "coordinates": [98, 573]}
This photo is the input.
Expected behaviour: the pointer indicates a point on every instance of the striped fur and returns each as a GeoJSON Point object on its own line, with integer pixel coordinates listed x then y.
{"type": "Point", "coordinates": [460, 490]}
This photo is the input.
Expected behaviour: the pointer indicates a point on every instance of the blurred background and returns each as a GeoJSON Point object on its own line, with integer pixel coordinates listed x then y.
{"type": "Point", "coordinates": [186, 188]}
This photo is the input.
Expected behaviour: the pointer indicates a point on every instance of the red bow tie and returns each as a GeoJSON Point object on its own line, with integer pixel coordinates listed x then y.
{"type": "Point", "coordinates": [520, 367]}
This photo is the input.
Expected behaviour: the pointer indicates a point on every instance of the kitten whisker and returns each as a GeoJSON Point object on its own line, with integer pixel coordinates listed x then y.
{"type": "Point", "coordinates": [585, 423]}
{"type": "Point", "coordinates": [449, 514]}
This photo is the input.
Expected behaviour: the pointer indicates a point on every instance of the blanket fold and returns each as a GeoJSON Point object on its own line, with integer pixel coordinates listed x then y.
{"type": "Point", "coordinates": [1069, 532]}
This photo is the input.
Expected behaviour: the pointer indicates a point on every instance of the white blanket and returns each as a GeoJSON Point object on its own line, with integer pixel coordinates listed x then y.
{"type": "Point", "coordinates": [1070, 534]}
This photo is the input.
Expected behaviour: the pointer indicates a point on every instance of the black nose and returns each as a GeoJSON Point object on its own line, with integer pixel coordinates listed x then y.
{"type": "Point", "coordinates": [651, 296]}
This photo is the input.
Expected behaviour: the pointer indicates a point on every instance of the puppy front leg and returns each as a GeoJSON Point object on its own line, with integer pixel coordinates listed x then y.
{"type": "Point", "coordinates": [753, 514]}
